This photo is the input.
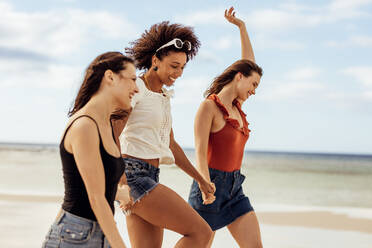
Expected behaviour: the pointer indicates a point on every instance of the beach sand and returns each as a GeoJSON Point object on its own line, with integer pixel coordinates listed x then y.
{"type": "Point", "coordinates": [26, 219]}
{"type": "Point", "coordinates": [302, 201]}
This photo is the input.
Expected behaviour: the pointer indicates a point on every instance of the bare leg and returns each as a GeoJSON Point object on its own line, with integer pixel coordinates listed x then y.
{"type": "Point", "coordinates": [143, 234]}
{"type": "Point", "coordinates": [164, 208]}
{"type": "Point", "coordinates": [246, 231]}
{"type": "Point", "coordinates": [211, 240]}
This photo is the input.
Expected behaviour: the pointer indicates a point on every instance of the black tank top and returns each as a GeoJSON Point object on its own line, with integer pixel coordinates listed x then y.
{"type": "Point", "coordinates": [76, 198]}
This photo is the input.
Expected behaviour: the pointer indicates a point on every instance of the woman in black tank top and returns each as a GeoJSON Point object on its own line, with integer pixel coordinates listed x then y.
{"type": "Point", "coordinates": [91, 161]}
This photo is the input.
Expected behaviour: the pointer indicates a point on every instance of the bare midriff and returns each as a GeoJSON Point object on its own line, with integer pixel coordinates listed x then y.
{"type": "Point", "coordinates": [152, 161]}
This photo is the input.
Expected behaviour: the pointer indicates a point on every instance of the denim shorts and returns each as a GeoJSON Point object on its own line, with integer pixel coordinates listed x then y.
{"type": "Point", "coordinates": [71, 231]}
{"type": "Point", "coordinates": [142, 177]}
{"type": "Point", "coordinates": [230, 202]}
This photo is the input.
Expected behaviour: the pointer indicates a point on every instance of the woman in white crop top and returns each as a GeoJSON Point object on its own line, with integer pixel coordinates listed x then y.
{"type": "Point", "coordinates": [147, 141]}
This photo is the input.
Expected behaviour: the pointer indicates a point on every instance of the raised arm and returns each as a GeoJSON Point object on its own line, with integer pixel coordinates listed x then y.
{"type": "Point", "coordinates": [85, 147]}
{"type": "Point", "coordinates": [247, 50]}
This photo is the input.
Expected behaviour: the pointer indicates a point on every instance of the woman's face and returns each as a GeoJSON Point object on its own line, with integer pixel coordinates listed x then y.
{"type": "Point", "coordinates": [246, 86]}
{"type": "Point", "coordinates": [125, 86]}
{"type": "Point", "coordinates": [171, 67]}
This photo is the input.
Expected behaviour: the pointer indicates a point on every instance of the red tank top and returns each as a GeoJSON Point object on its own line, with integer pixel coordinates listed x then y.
{"type": "Point", "coordinates": [226, 146]}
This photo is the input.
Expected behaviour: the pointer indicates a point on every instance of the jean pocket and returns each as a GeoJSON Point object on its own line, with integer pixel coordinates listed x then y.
{"type": "Point", "coordinates": [196, 199]}
{"type": "Point", "coordinates": [76, 233]}
{"type": "Point", "coordinates": [237, 185]}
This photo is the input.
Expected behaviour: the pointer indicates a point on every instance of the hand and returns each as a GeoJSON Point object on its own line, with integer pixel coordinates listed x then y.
{"type": "Point", "coordinates": [123, 196]}
{"type": "Point", "coordinates": [230, 17]}
{"type": "Point", "coordinates": [207, 189]}
{"type": "Point", "coordinates": [208, 199]}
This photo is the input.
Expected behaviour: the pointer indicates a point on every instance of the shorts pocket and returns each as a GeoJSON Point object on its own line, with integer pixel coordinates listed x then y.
{"type": "Point", "coordinates": [237, 185]}
{"type": "Point", "coordinates": [76, 233]}
{"type": "Point", "coordinates": [196, 199]}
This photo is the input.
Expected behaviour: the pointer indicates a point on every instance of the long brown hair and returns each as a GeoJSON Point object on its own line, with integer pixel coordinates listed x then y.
{"type": "Point", "coordinates": [114, 61]}
{"type": "Point", "coordinates": [244, 66]}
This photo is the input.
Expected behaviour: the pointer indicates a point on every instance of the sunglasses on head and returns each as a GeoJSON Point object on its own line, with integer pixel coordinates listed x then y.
{"type": "Point", "coordinates": [178, 43]}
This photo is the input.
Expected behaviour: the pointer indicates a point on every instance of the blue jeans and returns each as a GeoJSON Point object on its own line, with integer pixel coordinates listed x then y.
{"type": "Point", "coordinates": [142, 177]}
{"type": "Point", "coordinates": [71, 231]}
{"type": "Point", "coordinates": [230, 203]}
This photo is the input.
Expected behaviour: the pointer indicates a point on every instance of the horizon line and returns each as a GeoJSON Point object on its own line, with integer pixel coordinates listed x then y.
{"type": "Point", "coordinates": [30, 144]}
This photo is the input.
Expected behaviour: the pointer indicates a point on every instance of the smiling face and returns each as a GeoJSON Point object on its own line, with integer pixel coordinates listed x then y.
{"type": "Point", "coordinates": [125, 86]}
{"type": "Point", "coordinates": [170, 67]}
{"type": "Point", "coordinates": [246, 86]}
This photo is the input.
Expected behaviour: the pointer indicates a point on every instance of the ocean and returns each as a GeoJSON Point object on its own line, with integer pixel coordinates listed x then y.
{"type": "Point", "coordinates": [271, 177]}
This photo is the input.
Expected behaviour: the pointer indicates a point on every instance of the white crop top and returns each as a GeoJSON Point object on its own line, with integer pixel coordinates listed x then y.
{"type": "Point", "coordinates": [147, 131]}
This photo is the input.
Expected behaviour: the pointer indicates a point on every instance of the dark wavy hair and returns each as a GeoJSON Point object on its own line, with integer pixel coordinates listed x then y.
{"type": "Point", "coordinates": [114, 61]}
{"type": "Point", "coordinates": [244, 66]}
{"type": "Point", "coordinates": [159, 34]}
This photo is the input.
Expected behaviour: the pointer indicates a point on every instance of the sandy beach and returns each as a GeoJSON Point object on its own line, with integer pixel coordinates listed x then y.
{"type": "Point", "coordinates": [26, 219]}
{"type": "Point", "coordinates": [302, 201]}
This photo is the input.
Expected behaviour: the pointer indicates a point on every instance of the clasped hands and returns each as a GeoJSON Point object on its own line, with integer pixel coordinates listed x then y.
{"type": "Point", "coordinates": [207, 189]}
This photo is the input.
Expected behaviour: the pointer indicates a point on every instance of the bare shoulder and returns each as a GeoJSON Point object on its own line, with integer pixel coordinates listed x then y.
{"type": "Point", "coordinates": [84, 127]}
{"type": "Point", "coordinates": [208, 106]}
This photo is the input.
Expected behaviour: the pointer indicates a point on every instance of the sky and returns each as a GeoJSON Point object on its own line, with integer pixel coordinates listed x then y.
{"type": "Point", "coordinates": [315, 94]}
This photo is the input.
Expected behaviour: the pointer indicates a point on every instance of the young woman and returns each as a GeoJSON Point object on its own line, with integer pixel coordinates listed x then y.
{"type": "Point", "coordinates": [221, 131]}
{"type": "Point", "coordinates": [148, 141]}
{"type": "Point", "coordinates": [91, 161]}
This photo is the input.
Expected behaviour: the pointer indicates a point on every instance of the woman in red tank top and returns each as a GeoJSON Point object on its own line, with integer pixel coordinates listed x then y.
{"type": "Point", "coordinates": [221, 131]}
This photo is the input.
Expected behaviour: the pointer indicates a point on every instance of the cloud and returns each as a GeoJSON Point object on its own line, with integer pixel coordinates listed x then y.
{"type": "Point", "coordinates": [211, 16]}
{"type": "Point", "coordinates": [341, 9]}
{"type": "Point", "coordinates": [362, 74]}
{"type": "Point", "coordinates": [275, 20]}
{"type": "Point", "coordinates": [284, 16]}
{"type": "Point", "coordinates": [11, 53]}
{"type": "Point", "coordinates": [59, 32]}
{"type": "Point", "coordinates": [266, 41]}
{"type": "Point", "coordinates": [22, 73]}
{"type": "Point", "coordinates": [190, 90]}
{"type": "Point", "coordinates": [282, 91]}
{"type": "Point", "coordinates": [209, 57]}
{"type": "Point", "coordinates": [362, 40]}
{"type": "Point", "coordinates": [38, 49]}
{"type": "Point", "coordinates": [367, 95]}
{"type": "Point", "coordinates": [224, 43]}
{"type": "Point", "coordinates": [304, 73]}
{"type": "Point", "coordinates": [355, 41]}
{"type": "Point", "coordinates": [301, 82]}
{"type": "Point", "coordinates": [357, 96]}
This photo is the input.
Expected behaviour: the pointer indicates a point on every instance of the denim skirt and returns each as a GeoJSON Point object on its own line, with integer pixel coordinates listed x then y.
{"type": "Point", "coordinates": [72, 231]}
{"type": "Point", "coordinates": [142, 177]}
{"type": "Point", "coordinates": [230, 202]}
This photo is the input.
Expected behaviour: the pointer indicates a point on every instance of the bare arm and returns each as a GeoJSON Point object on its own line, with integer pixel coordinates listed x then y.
{"type": "Point", "coordinates": [183, 162]}
{"type": "Point", "coordinates": [247, 50]}
{"type": "Point", "coordinates": [202, 128]}
{"type": "Point", "coordinates": [85, 147]}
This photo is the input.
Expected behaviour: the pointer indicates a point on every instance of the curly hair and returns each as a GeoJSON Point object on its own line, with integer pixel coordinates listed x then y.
{"type": "Point", "coordinates": [159, 34]}
{"type": "Point", "coordinates": [244, 66]}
